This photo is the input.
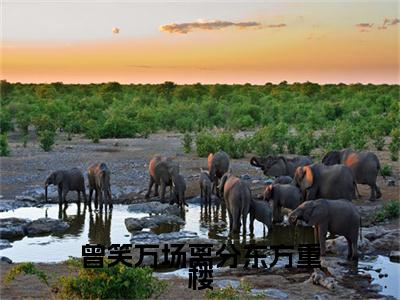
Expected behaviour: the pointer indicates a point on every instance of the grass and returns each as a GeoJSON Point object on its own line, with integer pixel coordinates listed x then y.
{"type": "Point", "coordinates": [27, 268]}
{"type": "Point", "coordinates": [243, 291]}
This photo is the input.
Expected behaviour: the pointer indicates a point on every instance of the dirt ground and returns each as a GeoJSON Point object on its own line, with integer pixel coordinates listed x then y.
{"type": "Point", "coordinates": [27, 168]}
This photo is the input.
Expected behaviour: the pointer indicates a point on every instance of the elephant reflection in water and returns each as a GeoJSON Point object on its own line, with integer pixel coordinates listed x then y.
{"type": "Point", "coordinates": [76, 222]}
{"type": "Point", "coordinates": [100, 227]}
{"type": "Point", "coordinates": [213, 217]}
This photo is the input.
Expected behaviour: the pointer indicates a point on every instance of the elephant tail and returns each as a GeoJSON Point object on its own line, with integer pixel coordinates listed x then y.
{"type": "Point", "coordinates": [360, 230]}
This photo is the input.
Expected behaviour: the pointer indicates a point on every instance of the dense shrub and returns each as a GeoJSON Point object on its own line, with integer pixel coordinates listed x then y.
{"type": "Point", "coordinates": [187, 140]}
{"type": "Point", "coordinates": [394, 145]}
{"type": "Point", "coordinates": [117, 282]}
{"type": "Point", "coordinates": [46, 139]}
{"type": "Point", "coordinates": [4, 148]}
{"type": "Point", "coordinates": [390, 210]}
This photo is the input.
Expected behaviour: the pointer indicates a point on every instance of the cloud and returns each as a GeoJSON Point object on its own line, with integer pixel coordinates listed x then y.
{"type": "Point", "coordinates": [276, 25]}
{"type": "Point", "coordinates": [184, 28]}
{"type": "Point", "coordinates": [389, 22]}
{"type": "Point", "coordinates": [364, 25]}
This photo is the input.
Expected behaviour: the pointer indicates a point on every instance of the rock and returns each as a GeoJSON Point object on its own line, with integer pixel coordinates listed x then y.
{"type": "Point", "coordinates": [245, 177]}
{"type": "Point", "coordinates": [375, 288]}
{"type": "Point", "coordinates": [391, 182]}
{"type": "Point", "coordinates": [25, 198]}
{"type": "Point", "coordinates": [180, 235]}
{"type": "Point", "coordinates": [133, 224]}
{"type": "Point", "coordinates": [11, 228]}
{"type": "Point", "coordinates": [388, 242]}
{"type": "Point", "coordinates": [318, 277]}
{"type": "Point", "coordinates": [394, 256]}
{"type": "Point", "coordinates": [154, 207]}
{"type": "Point", "coordinates": [152, 238]}
{"type": "Point", "coordinates": [6, 259]}
{"type": "Point", "coordinates": [4, 244]}
{"type": "Point", "coordinates": [45, 226]}
{"type": "Point", "coordinates": [272, 293]}
{"type": "Point", "coordinates": [6, 205]}
{"type": "Point", "coordinates": [223, 283]}
{"type": "Point", "coordinates": [339, 246]}
{"type": "Point", "coordinates": [255, 181]}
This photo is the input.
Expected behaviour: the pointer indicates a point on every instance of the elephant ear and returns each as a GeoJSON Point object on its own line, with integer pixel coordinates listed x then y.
{"type": "Point", "coordinates": [331, 158]}
{"type": "Point", "coordinates": [308, 178]}
{"type": "Point", "coordinates": [317, 213]}
{"type": "Point", "coordinates": [58, 177]}
{"type": "Point", "coordinates": [209, 161]}
{"type": "Point", "coordinates": [285, 162]}
{"type": "Point", "coordinates": [221, 185]}
{"type": "Point", "coordinates": [268, 193]}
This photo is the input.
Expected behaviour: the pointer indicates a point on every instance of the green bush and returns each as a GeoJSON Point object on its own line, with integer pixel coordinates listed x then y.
{"type": "Point", "coordinates": [92, 131]}
{"type": "Point", "coordinates": [46, 139]}
{"type": "Point", "coordinates": [262, 142]}
{"type": "Point", "coordinates": [4, 148]}
{"type": "Point", "coordinates": [118, 282]}
{"type": "Point", "coordinates": [187, 140]}
{"type": "Point", "coordinates": [390, 210]}
{"type": "Point", "coordinates": [378, 140]}
{"type": "Point", "coordinates": [5, 121]}
{"type": "Point", "coordinates": [394, 145]}
{"type": "Point", "coordinates": [386, 170]}
{"type": "Point", "coordinates": [205, 144]}
{"type": "Point", "coordinates": [26, 268]}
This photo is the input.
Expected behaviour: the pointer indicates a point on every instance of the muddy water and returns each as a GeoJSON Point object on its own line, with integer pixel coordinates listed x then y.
{"type": "Point", "coordinates": [108, 227]}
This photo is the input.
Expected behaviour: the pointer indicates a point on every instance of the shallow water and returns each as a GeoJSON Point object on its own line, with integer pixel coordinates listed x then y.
{"type": "Point", "coordinates": [108, 227]}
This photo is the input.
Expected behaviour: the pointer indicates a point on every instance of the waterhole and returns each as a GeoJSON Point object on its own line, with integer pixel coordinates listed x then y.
{"type": "Point", "coordinates": [108, 227]}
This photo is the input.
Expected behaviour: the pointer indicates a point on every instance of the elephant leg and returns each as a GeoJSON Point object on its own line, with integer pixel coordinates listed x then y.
{"type": "Point", "coordinates": [96, 198]}
{"type": "Point", "coordinates": [372, 197]}
{"type": "Point", "coordinates": [156, 190]}
{"type": "Point", "coordinates": [322, 231]}
{"type": "Point", "coordinates": [84, 194]}
{"type": "Point", "coordinates": [316, 234]}
{"type": "Point", "coordinates": [355, 249]}
{"type": "Point", "coordinates": [230, 220]}
{"type": "Point", "coordinates": [64, 196]}
{"type": "Point", "coordinates": [60, 196]}
{"type": "Point", "coordinates": [79, 197]}
{"type": "Point", "coordinates": [378, 191]}
{"type": "Point", "coordinates": [244, 223]}
{"type": "Point", "coordinates": [147, 196]}
{"type": "Point", "coordinates": [201, 193]}
{"type": "Point", "coordinates": [163, 187]}
{"type": "Point", "coordinates": [350, 248]}
{"type": "Point", "coordinates": [90, 194]}
{"type": "Point", "coordinates": [235, 220]}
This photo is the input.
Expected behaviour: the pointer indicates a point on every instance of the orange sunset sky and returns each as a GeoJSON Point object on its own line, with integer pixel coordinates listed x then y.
{"type": "Point", "coordinates": [200, 41]}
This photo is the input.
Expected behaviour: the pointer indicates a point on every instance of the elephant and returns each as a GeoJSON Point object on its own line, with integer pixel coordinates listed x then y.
{"type": "Point", "coordinates": [283, 180]}
{"type": "Point", "coordinates": [205, 186]}
{"type": "Point", "coordinates": [364, 165]}
{"type": "Point", "coordinates": [330, 182]}
{"type": "Point", "coordinates": [282, 195]}
{"type": "Point", "coordinates": [280, 165]}
{"type": "Point", "coordinates": [336, 216]}
{"type": "Point", "coordinates": [67, 180]}
{"type": "Point", "coordinates": [99, 181]}
{"type": "Point", "coordinates": [218, 165]}
{"type": "Point", "coordinates": [179, 189]}
{"type": "Point", "coordinates": [237, 198]}
{"type": "Point", "coordinates": [161, 170]}
{"type": "Point", "coordinates": [260, 211]}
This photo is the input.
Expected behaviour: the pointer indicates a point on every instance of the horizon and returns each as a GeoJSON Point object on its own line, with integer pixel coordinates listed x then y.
{"type": "Point", "coordinates": [193, 42]}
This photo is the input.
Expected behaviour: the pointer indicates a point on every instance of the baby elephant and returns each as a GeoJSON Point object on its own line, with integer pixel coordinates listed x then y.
{"type": "Point", "coordinates": [99, 181]}
{"type": "Point", "coordinates": [237, 197]}
{"type": "Point", "coordinates": [205, 186]}
{"type": "Point", "coordinates": [336, 216]}
{"type": "Point", "coordinates": [67, 180]}
{"type": "Point", "coordinates": [260, 211]}
{"type": "Point", "coordinates": [179, 189]}
{"type": "Point", "coordinates": [282, 195]}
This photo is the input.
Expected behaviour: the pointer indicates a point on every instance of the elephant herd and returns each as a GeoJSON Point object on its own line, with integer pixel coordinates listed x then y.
{"type": "Point", "coordinates": [318, 193]}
